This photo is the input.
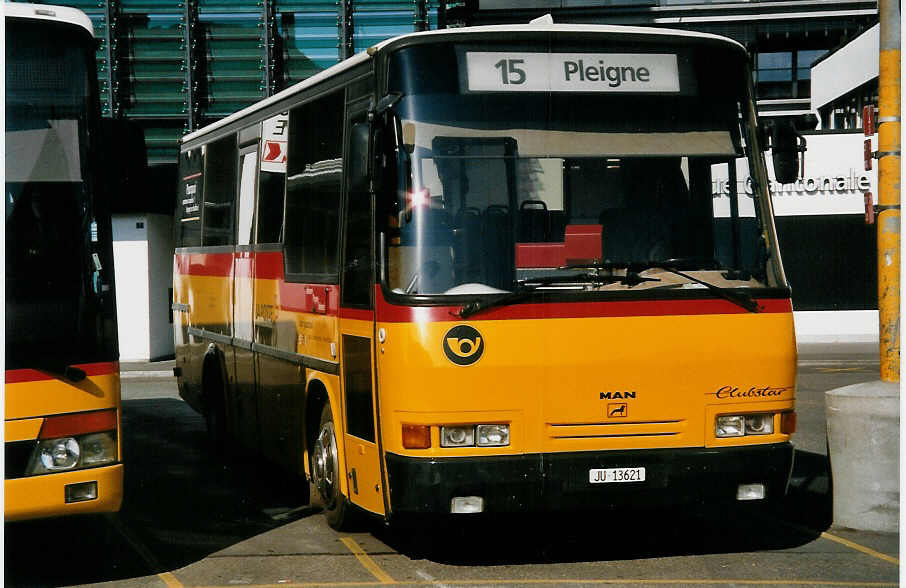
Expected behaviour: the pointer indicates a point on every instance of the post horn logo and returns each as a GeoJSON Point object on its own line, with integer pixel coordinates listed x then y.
{"type": "Point", "coordinates": [463, 345]}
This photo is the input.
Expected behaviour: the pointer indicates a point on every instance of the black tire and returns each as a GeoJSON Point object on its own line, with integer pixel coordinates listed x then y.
{"type": "Point", "coordinates": [326, 472]}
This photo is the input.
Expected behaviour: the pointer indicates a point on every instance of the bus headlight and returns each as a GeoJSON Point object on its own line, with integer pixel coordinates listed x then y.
{"type": "Point", "coordinates": [457, 436]}
{"type": "Point", "coordinates": [58, 454]}
{"type": "Point", "coordinates": [740, 425]}
{"type": "Point", "coordinates": [759, 424]}
{"type": "Point", "coordinates": [730, 426]}
{"type": "Point", "coordinates": [493, 435]}
{"type": "Point", "coordinates": [98, 449]}
{"type": "Point", "coordinates": [72, 453]}
{"type": "Point", "coordinates": [474, 435]}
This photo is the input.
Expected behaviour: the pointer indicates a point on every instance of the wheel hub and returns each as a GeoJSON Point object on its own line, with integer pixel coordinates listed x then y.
{"type": "Point", "coordinates": [325, 463]}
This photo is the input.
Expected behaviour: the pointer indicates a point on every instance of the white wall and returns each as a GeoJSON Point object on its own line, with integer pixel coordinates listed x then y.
{"type": "Point", "coordinates": [837, 326]}
{"type": "Point", "coordinates": [143, 262]}
{"type": "Point", "coordinates": [847, 69]}
{"type": "Point", "coordinates": [160, 280]}
{"type": "Point", "coordinates": [130, 259]}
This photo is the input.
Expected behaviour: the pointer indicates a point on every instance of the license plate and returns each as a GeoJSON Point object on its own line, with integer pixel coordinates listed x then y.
{"type": "Point", "coordinates": [611, 475]}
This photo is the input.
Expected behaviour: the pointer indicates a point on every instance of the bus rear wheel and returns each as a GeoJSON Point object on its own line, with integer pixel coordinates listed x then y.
{"type": "Point", "coordinates": [326, 471]}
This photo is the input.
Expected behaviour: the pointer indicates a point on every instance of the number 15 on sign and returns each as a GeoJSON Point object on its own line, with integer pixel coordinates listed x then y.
{"type": "Point", "coordinates": [511, 71]}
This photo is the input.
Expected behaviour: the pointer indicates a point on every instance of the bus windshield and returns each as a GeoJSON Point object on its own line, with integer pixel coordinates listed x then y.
{"type": "Point", "coordinates": [499, 188]}
{"type": "Point", "coordinates": [54, 290]}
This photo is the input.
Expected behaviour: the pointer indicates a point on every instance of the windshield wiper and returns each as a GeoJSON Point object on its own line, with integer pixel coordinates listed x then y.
{"type": "Point", "coordinates": [737, 297]}
{"type": "Point", "coordinates": [631, 278]}
{"type": "Point", "coordinates": [529, 285]}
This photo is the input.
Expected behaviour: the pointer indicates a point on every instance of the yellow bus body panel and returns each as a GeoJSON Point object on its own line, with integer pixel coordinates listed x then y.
{"type": "Point", "coordinates": [44, 496]}
{"type": "Point", "coordinates": [22, 430]}
{"type": "Point", "coordinates": [549, 378]}
{"type": "Point", "coordinates": [54, 396]}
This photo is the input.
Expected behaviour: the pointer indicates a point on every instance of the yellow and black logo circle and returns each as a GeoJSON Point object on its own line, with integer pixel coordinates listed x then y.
{"type": "Point", "coordinates": [463, 345]}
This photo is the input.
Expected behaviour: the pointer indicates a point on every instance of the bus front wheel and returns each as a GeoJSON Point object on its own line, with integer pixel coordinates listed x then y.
{"type": "Point", "coordinates": [325, 473]}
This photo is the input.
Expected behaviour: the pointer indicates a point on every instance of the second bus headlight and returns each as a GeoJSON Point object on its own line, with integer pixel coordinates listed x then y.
{"type": "Point", "coordinates": [740, 425]}
{"type": "Point", "coordinates": [472, 435]}
{"type": "Point", "coordinates": [493, 435]}
{"type": "Point", "coordinates": [759, 424]}
{"type": "Point", "coordinates": [457, 436]}
{"type": "Point", "coordinates": [72, 453]}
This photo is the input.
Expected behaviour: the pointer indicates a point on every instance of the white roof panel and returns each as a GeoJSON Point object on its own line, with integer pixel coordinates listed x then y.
{"type": "Point", "coordinates": [48, 12]}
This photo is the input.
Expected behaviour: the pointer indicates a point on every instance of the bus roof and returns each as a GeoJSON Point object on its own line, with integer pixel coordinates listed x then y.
{"type": "Point", "coordinates": [492, 29]}
{"type": "Point", "coordinates": [49, 12]}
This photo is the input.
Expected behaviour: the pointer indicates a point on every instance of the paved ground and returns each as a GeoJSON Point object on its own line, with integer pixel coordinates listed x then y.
{"type": "Point", "coordinates": [190, 520]}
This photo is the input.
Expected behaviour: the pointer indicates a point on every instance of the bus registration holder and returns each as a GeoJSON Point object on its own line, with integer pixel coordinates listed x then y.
{"type": "Point", "coordinates": [610, 475]}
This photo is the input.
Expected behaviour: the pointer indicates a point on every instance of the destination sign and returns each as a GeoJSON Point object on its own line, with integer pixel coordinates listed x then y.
{"type": "Point", "coordinates": [571, 72]}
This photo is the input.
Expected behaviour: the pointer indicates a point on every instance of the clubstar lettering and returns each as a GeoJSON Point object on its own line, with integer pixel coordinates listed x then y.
{"type": "Point", "coordinates": [613, 75]}
{"type": "Point", "coordinates": [766, 392]}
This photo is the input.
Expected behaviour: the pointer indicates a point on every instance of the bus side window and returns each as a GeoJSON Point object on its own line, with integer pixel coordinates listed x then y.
{"type": "Point", "coordinates": [245, 220]}
{"type": "Point", "coordinates": [188, 205]}
{"type": "Point", "coordinates": [219, 192]}
{"type": "Point", "coordinates": [272, 178]}
{"type": "Point", "coordinates": [314, 177]}
{"type": "Point", "coordinates": [357, 284]}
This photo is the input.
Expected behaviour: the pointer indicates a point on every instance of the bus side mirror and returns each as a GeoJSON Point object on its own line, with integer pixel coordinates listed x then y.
{"type": "Point", "coordinates": [358, 157]}
{"type": "Point", "coordinates": [786, 145]}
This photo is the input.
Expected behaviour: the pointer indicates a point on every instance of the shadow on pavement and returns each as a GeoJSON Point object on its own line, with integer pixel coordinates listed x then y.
{"type": "Point", "coordinates": [574, 537]}
{"type": "Point", "coordinates": [180, 505]}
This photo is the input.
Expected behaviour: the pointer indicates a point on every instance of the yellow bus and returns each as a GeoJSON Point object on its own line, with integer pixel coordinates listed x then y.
{"type": "Point", "coordinates": [496, 269]}
{"type": "Point", "coordinates": [62, 391]}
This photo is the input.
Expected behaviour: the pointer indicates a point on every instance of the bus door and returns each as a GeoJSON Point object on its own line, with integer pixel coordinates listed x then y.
{"type": "Point", "coordinates": [244, 411]}
{"type": "Point", "coordinates": [357, 346]}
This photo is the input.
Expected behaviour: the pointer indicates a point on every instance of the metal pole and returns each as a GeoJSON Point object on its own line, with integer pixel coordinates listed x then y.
{"type": "Point", "coordinates": [889, 190]}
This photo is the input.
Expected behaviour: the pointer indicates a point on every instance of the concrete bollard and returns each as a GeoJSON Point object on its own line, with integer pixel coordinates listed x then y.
{"type": "Point", "coordinates": [863, 433]}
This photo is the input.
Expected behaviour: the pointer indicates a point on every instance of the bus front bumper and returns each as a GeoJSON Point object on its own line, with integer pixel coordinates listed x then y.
{"type": "Point", "coordinates": [560, 481]}
{"type": "Point", "coordinates": [44, 496]}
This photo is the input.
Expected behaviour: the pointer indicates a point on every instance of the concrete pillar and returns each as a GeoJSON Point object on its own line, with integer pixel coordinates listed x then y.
{"type": "Point", "coordinates": [863, 432]}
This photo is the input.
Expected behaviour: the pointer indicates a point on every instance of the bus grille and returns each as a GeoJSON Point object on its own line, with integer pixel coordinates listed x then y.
{"type": "Point", "coordinates": [616, 430]}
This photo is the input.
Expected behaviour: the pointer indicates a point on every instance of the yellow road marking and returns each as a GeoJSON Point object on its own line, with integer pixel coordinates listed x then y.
{"type": "Point", "coordinates": [170, 580]}
{"type": "Point", "coordinates": [366, 561]}
{"type": "Point", "coordinates": [861, 548]}
{"type": "Point", "coordinates": [522, 582]}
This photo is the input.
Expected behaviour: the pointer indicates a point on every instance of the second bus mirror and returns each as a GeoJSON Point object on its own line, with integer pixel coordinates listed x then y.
{"type": "Point", "coordinates": [358, 157]}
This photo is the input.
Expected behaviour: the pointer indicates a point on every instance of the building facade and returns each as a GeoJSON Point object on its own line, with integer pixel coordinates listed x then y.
{"type": "Point", "coordinates": [176, 65]}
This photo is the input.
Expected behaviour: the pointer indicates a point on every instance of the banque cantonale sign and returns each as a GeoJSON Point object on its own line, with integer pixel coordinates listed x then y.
{"type": "Point", "coordinates": [852, 182]}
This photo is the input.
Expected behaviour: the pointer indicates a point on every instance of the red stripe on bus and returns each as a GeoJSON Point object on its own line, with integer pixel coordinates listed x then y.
{"type": "Point", "coordinates": [90, 369]}
{"type": "Point", "coordinates": [269, 265]}
{"type": "Point", "coordinates": [357, 314]}
{"type": "Point", "coordinates": [78, 423]}
{"type": "Point", "coordinates": [192, 177]}
{"type": "Point", "coordinates": [204, 264]}
{"type": "Point", "coordinates": [393, 313]}
{"type": "Point", "coordinates": [314, 298]}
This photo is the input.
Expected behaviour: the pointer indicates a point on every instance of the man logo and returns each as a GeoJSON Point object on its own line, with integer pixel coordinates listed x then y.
{"type": "Point", "coordinates": [617, 409]}
{"type": "Point", "coordinates": [463, 345]}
